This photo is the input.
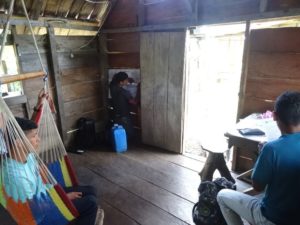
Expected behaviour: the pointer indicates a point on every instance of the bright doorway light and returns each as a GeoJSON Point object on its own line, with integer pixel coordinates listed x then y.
{"type": "Point", "coordinates": [213, 65]}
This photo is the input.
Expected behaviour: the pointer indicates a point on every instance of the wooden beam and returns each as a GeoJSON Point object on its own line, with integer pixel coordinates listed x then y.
{"type": "Point", "coordinates": [244, 70]}
{"type": "Point", "coordinates": [216, 20]}
{"type": "Point", "coordinates": [103, 65]}
{"type": "Point", "coordinates": [10, 101]}
{"type": "Point", "coordinates": [20, 77]}
{"type": "Point", "coordinates": [36, 9]}
{"type": "Point", "coordinates": [57, 82]}
{"type": "Point", "coordinates": [54, 22]}
{"type": "Point", "coordinates": [141, 13]}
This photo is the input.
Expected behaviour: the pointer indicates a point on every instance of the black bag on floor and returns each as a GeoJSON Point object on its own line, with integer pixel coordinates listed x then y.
{"type": "Point", "coordinates": [207, 211]}
{"type": "Point", "coordinates": [86, 135]}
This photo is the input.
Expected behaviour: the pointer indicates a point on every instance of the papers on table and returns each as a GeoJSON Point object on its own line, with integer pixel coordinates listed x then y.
{"type": "Point", "coordinates": [267, 125]}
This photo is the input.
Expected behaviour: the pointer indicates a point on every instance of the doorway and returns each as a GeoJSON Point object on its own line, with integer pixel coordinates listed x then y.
{"type": "Point", "coordinates": [213, 71]}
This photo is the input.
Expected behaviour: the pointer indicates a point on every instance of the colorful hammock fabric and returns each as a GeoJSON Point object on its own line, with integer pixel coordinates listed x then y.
{"type": "Point", "coordinates": [52, 150]}
{"type": "Point", "coordinates": [28, 191]}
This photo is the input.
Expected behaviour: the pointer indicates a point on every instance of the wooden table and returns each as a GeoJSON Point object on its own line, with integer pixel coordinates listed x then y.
{"type": "Point", "coordinates": [249, 144]}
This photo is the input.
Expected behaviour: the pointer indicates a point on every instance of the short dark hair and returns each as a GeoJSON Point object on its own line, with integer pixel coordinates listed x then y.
{"type": "Point", "coordinates": [118, 77]}
{"type": "Point", "coordinates": [287, 108]}
{"type": "Point", "coordinates": [26, 124]}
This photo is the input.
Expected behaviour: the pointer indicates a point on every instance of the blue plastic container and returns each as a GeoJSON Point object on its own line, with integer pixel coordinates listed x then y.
{"type": "Point", "coordinates": [119, 138]}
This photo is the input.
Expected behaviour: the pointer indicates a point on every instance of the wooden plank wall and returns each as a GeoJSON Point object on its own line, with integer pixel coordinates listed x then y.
{"type": "Point", "coordinates": [273, 67]}
{"type": "Point", "coordinates": [168, 11]}
{"type": "Point", "coordinates": [80, 76]}
{"type": "Point", "coordinates": [124, 14]}
{"type": "Point", "coordinates": [29, 62]}
{"type": "Point", "coordinates": [81, 81]}
{"type": "Point", "coordinates": [123, 50]}
{"type": "Point", "coordinates": [212, 9]}
{"type": "Point", "coordinates": [162, 62]}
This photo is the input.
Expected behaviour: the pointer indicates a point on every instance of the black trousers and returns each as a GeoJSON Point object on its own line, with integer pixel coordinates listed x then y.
{"type": "Point", "coordinates": [86, 205]}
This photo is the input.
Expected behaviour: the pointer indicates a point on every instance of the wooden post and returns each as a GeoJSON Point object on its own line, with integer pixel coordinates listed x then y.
{"type": "Point", "coordinates": [242, 85]}
{"type": "Point", "coordinates": [103, 66]}
{"type": "Point", "coordinates": [244, 71]}
{"type": "Point", "coordinates": [141, 12]}
{"type": "Point", "coordinates": [57, 81]}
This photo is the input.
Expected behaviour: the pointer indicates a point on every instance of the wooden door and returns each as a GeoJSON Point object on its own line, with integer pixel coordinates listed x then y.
{"type": "Point", "coordinates": [162, 85]}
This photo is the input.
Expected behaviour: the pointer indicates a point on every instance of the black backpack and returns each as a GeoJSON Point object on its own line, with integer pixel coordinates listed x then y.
{"type": "Point", "coordinates": [86, 135]}
{"type": "Point", "coordinates": [207, 211]}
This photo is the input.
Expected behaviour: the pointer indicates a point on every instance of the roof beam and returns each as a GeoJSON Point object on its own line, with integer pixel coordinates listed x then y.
{"type": "Point", "coordinates": [54, 22]}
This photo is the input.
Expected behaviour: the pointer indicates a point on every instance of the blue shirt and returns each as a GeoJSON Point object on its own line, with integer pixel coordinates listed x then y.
{"type": "Point", "coordinates": [22, 180]}
{"type": "Point", "coordinates": [278, 167]}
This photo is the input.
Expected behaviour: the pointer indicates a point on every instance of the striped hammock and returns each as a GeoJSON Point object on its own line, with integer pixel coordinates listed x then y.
{"type": "Point", "coordinates": [28, 191]}
{"type": "Point", "coordinates": [52, 150]}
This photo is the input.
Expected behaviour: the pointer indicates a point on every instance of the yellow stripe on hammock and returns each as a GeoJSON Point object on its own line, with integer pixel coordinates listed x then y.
{"type": "Point", "coordinates": [65, 173]}
{"type": "Point", "coordinates": [2, 198]}
{"type": "Point", "coordinates": [60, 204]}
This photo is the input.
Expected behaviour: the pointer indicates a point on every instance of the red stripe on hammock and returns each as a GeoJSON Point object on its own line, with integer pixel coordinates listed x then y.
{"type": "Point", "coordinates": [71, 171]}
{"type": "Point", "coordinates": [62, 194]}
{"type": "Point", "coordinates": [38, 116]}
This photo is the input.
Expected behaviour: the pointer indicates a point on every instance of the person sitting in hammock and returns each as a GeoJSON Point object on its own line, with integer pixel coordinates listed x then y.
{"type": "Point", "coordinates": [21, 170]}
{"type": "Point", "coordinates": [83, 197]}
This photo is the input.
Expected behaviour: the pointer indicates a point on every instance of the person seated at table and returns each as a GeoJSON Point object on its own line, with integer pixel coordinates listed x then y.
{"type": "Point", "coordinates": [276, 172]}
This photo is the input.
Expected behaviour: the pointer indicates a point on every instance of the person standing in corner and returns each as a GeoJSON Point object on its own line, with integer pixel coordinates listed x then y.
{"type": "Point", "coordinates": [276, 171]}
{"type": "Point", "coordinates": [122, 102]}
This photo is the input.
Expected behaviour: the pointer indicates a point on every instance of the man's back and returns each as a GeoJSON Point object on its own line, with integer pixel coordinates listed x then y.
{"type": "Point", "coordinates": [278, 167]}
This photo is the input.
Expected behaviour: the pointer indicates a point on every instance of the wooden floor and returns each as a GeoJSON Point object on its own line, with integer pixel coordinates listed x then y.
{"type": "Point", "coordinates": [143, 186]}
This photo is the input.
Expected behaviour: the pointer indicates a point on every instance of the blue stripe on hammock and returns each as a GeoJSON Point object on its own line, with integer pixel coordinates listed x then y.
{"type": "Point", "coordinates": [45, 211]}
{"type": "Point", "coordinates": [55, 169]}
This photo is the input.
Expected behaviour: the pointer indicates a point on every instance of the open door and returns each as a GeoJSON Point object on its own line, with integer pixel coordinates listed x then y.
{"type": "Point", "coordinates": [162, 82]}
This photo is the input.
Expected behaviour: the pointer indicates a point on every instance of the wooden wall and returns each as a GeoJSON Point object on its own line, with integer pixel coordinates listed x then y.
{"type": "Point", "coordinates": [29, 62]}
{"type": "Point", "coordinates": [162, 63]}
{"type": "Point", "coordinates": [79, 75]}
{"type": "Point", "coordinates": [81, 81]}
{"type": "Point", "coordinates": [211, 9]}
{"type": "Point", "coordinates": [123, 50]}
{"type": "Point", "coordinates": [134, 13]}
{"type": "Point", "coordinates": [168, 11]}
{"type": "Point", "coordinates": [273, 67]}
{"type": "Point", "coordinates": [124, 14]}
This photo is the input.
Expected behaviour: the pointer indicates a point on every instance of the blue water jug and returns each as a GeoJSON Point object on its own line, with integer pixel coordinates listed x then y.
{"type": "Point", "coordinates": [119, 138]}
